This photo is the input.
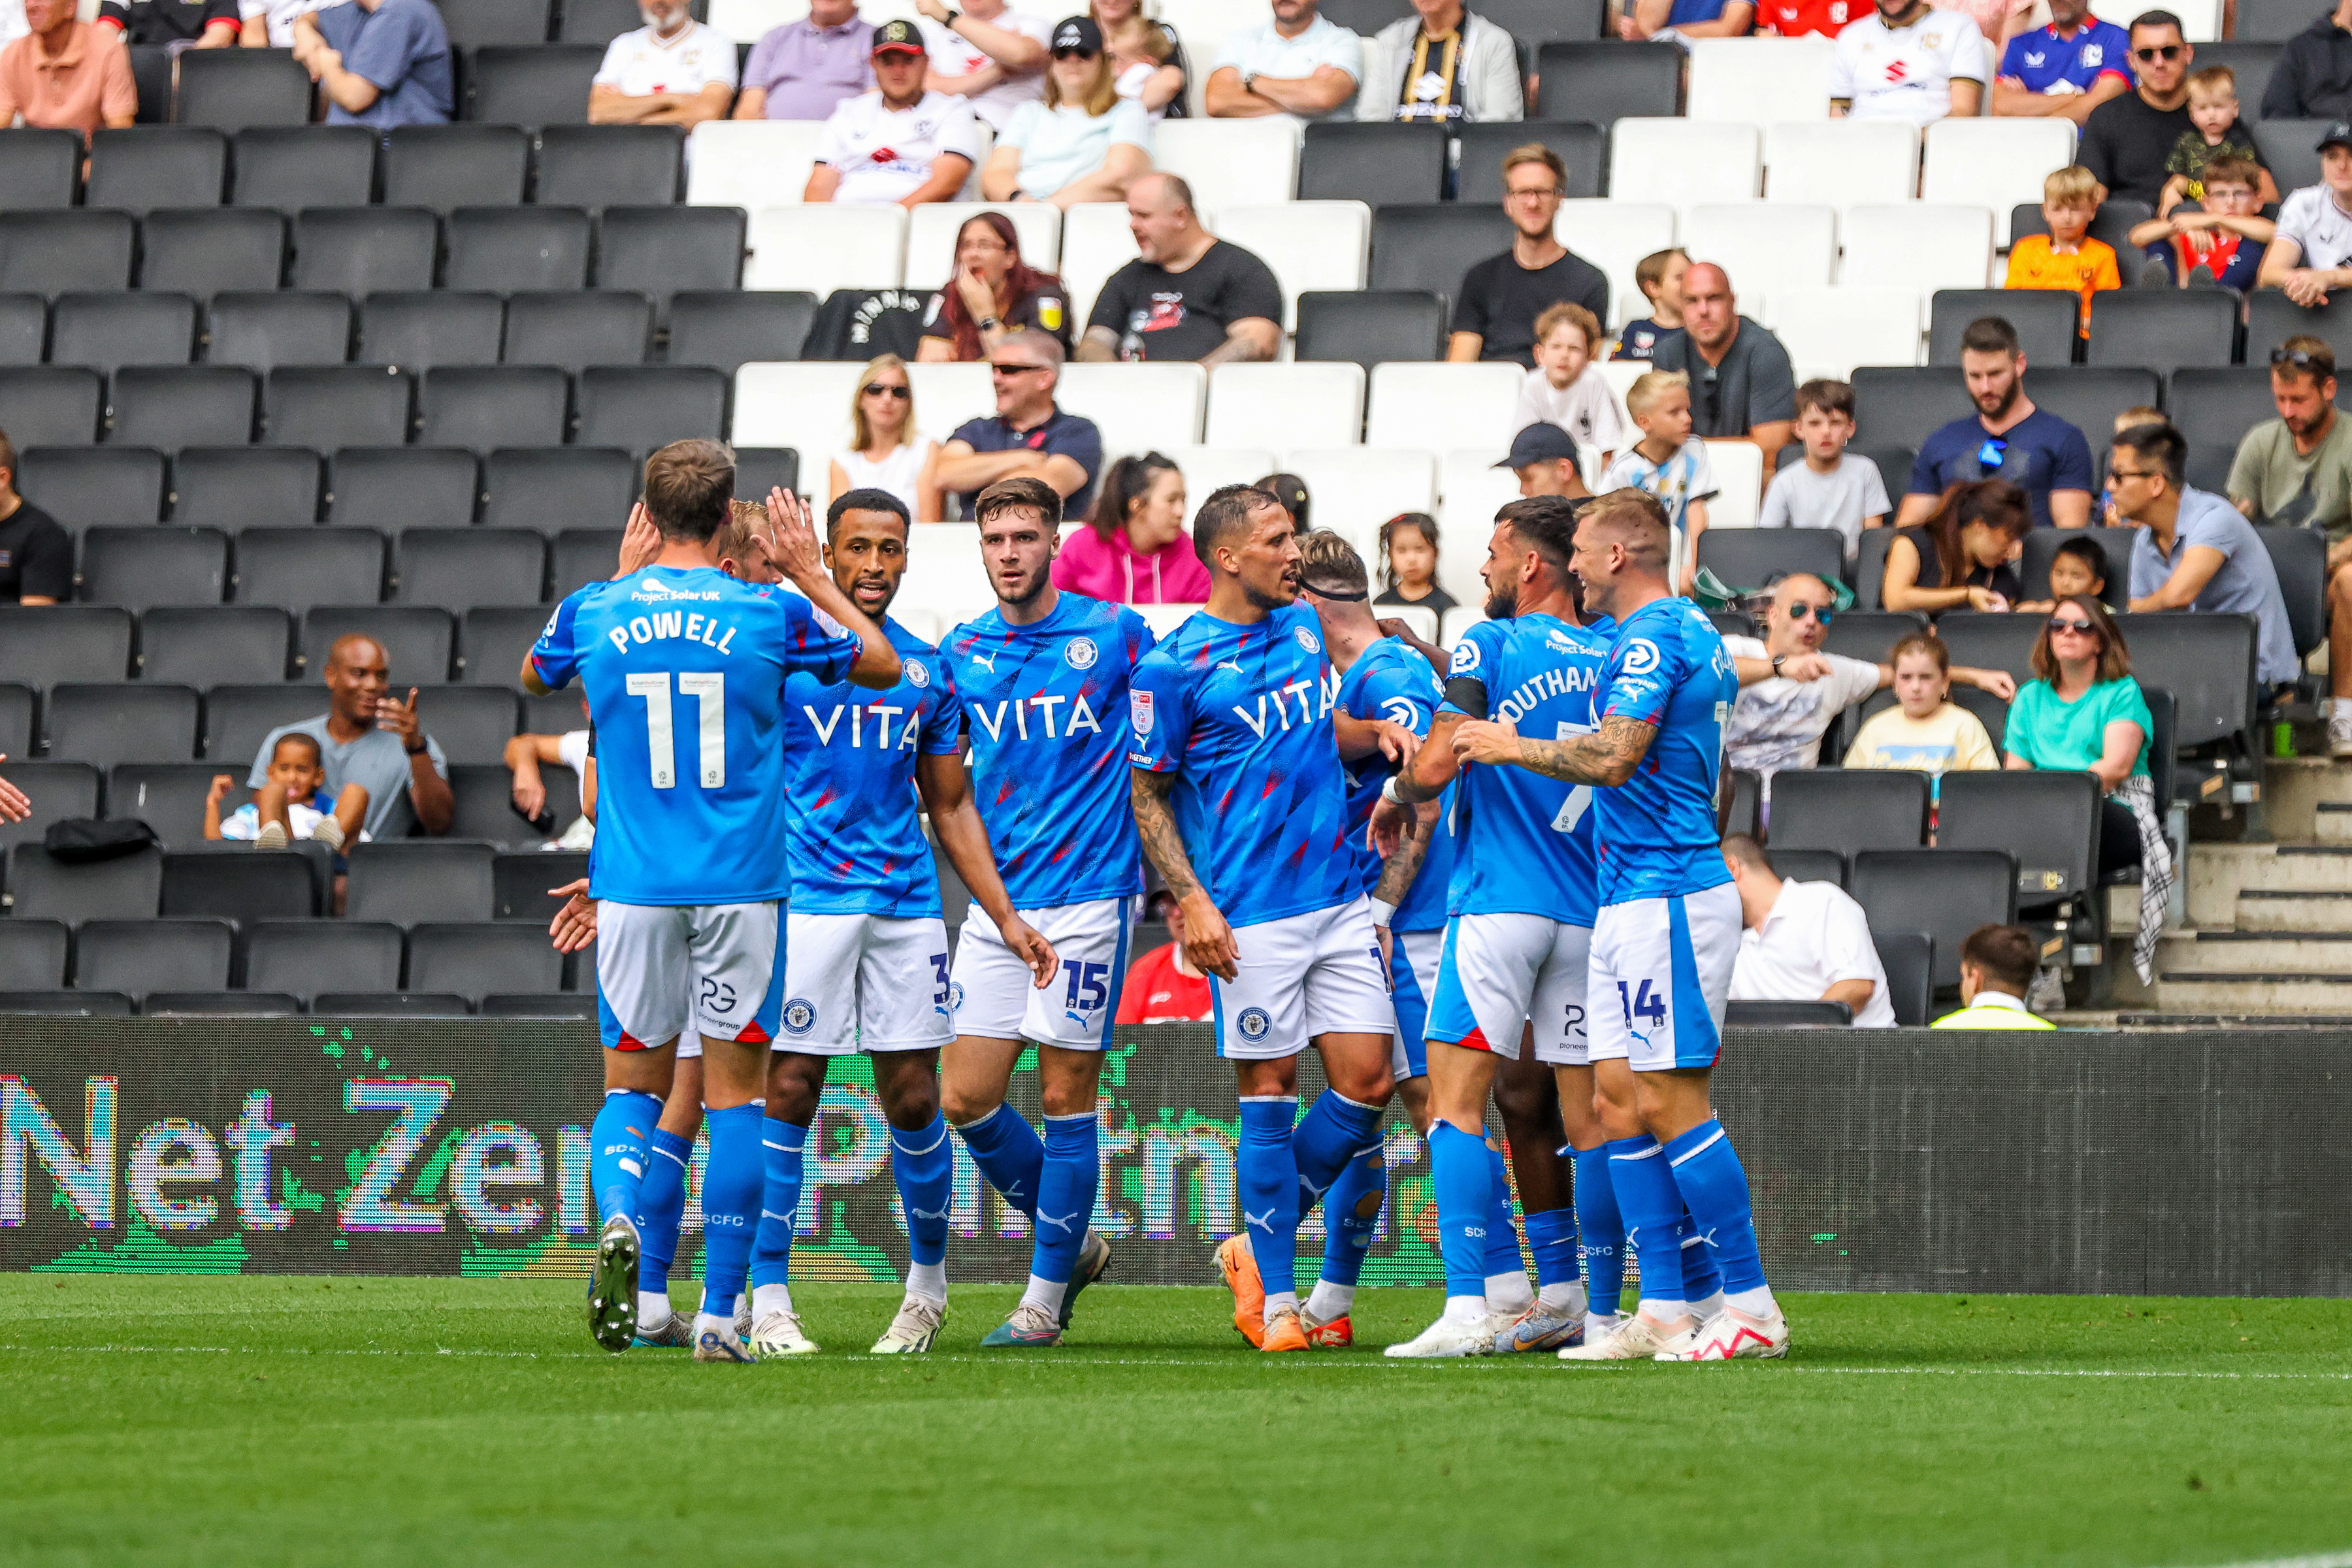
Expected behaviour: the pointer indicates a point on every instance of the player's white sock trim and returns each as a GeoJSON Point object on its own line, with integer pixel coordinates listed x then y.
{"type": "Point", "coordinates": [767, 1298]}
{"type": "Point", "coordinates": [1345, 1101]}
{"type": "Point", "coordinates": [1266, 1099]}
{"type": "Point", "coordinates": [653, 1305]}
{"type": "Point", "coordinates": [1327, 1300]}
{"type": "Point", "coordinates": [1667, 1310]}
{"type": "Point", "coordinates": [929, 1280]}
{"type": "Point", "coordinates": [1710, 1308]}
{"type": "Point", "coordinates": [901, 1147]}
{"type": "Point", "coordinates": [1755, 1303]}
{"type": "Point", "coordinates": [1464, 1309]}
{"type": "Point", "coordinates": [1599, 1323]}
{"type": "Point", "coordinates": [1508, 1292]}
{"type": "Point", "coordinates": [1045, 1295]}
{"type": "Point", "coordinates": [1559, 1298]}
{"type": "Point", "coordinates": [1280, 1302]}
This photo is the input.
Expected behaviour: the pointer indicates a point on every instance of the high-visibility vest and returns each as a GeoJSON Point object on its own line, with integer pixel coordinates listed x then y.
{"type": "Point", "coordinates": [1982, 1018]}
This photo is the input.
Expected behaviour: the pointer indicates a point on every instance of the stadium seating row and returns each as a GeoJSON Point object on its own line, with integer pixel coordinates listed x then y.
{"type": "Point", "coordinates": [471, 723]}
{"type": "Point", "coordinates": [182, 648]}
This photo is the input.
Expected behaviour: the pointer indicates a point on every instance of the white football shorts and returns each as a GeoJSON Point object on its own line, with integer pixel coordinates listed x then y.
{"type": "Point", "coordinates": [1300, 976]}
{"type": "Point", "coordinates": [1500, 972]}
{"type": "Point", "coordinates": [1412, 981]}
{"type": "Point", "coordinates": [995, 997]}
{"type": "Point", "coordinates": [866, 982]}
{"type": "Point", "coordinates": [1661, 974]}
{"type": "Point", "coordinates": [662, 966]}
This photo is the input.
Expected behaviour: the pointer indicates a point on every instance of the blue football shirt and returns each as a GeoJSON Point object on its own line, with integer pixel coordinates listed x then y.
{"type": "Point", "coordinates": [685, 670]}
{"type": "Point", "coordinates": [1243, 716]}
{"type": "Point", "coordinates": [1045, 708]}
{"type": "Point", "coordinates": [1526, 837]}
{"type": "Point", "coordinates": [2041, 59]}
{"type": "Point", "coordinates": [1389, 679]}
{"type": "Point", "coordinates": [854, 832]}
{"type": "Point", "coordinates": [1655, 834]}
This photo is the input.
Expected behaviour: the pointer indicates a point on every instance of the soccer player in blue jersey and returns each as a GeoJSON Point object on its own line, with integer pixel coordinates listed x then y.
{"type": "Point", "coordinates": [685, 670]}
{"type": "Point", "coordinates": [1237, 747]}
{"type": "Point", "coordinates": [1663, 940]}
{"type": "Point", "coordinates": [867, 957]}
{"type": "Point", "coordinates": [1043, 682]}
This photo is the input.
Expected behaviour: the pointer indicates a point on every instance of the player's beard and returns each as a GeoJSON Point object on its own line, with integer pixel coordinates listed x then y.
{"type": "Point", "coordinates": [1261, 600]}
{"type": "Point", "coordinates": [1501, 604]}
{"type": "Point", "coordinates": [1037, 586]}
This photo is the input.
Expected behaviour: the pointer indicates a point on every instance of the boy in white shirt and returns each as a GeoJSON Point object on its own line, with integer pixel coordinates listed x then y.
{"type": "Point", "coordinates": [1666, 462]}
{"type": "Point", "coordinates": [1564, 389]}
{"type": "Point", "coordinates": [1906, 61]}
{"type": "Point", "coordinates": [291, 804]}
{"type": "Point", "coordinates": [1829, 488]}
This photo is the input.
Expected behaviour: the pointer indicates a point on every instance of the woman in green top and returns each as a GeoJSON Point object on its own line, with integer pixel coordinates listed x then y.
{"type": "Point", "coordinates": [2086, 714]}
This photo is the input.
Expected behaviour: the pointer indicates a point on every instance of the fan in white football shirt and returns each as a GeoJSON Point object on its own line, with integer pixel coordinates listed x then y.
{"type": "Point", "coordinates": [1906, 61]}
{"type": "Point", "coordinates": [988, 54]}
{"type": "Point", "coordinates": [897, 143]}
{"type": "Point", "coordinates": [673, 71]}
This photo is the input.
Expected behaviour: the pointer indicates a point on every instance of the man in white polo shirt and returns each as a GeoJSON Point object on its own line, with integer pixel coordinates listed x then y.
{"type": "Point", "coordinates": [1804, 942]}
{"type": "Point", "coordinates": [674, 70]}
{"type": "Point", "coordinates": [2312, 252]}
{"type": "Point", "coordinates": [899, 143]}
{"type": "Point", "coordinates": [1300, 64]}
{"type": "Point", "coordinates": [986, 53]}
{"type": "Point", "coordinates": [1906, 61]}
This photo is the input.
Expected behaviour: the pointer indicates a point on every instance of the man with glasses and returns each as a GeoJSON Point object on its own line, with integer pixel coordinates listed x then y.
{"type": "Point", "coordinates": [2295, 471]}
{"type": "Point", "coordinates": [2194, 551]}
{"type": "Point", "coordinates": [1741, 384]}
{"type": "Point", "coordinates": [2127, 140]}
{"type": "Point", "coordinates": [2005, 438]}
{"type": "Point", "coordinates": [1028, 437]}
{"type": "Point", "coordinates": [1906, 61]}
{"type": "Point", "coordinates": [1496, 310]}
{"type": "Point", "coordinates": [2312, 252]}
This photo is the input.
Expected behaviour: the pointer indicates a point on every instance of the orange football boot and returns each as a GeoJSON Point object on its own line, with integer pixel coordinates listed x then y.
{"type": "Point", "coordinates": [1241, 1275]}
{"type": "Point", "coordinates": [1285, 1332]}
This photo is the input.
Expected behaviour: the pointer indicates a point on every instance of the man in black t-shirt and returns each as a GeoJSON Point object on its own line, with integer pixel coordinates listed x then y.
{"type": "Point", "coordinates": [1188, 295]}
{"type": "Point", "coordinates": [2127, 140]}
{"type": "Point", "coordinates": [36, 554]}
{"type": "Point", "coordinates": [1496, 310]}
{"type": "Point", "coordinates": [200, 24]}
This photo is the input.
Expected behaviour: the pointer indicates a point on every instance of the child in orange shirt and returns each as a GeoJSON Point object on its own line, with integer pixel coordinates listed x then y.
{"type": "Point", "coordinates": [2066, 258]}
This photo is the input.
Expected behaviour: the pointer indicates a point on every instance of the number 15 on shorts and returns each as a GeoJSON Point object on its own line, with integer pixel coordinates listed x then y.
{"type": "Point", "coordinates": [1088, 989]}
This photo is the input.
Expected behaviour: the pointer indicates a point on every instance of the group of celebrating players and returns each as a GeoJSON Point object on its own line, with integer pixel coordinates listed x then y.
{"type": "Point", "coordinates": [1443, 886]}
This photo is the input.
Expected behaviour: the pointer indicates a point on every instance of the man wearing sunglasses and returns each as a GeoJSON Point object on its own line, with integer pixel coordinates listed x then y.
{"type": "Point", "coordinates": [1028, 437]}
{"type": "Point", "coordinates": [2194, 551]}
{"type": "Point", "coordinates": [1741, 384]}
{"type": "Point", "coordinates": [2127, 140]}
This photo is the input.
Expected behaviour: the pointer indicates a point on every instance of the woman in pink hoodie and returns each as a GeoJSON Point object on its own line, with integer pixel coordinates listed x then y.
{"type": "Point", "coordinates": [1134, 549]}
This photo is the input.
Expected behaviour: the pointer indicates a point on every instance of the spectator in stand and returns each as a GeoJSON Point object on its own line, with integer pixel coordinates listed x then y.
{"type": "Point", "coordinates": [66, 74]}
{"type": "Point", "coordinates": [1962, 556]}
{"type": "Point", "coordinates": [526, 755]}
{"type": "Point", "coordinates": [1796, 18]}
{"type": "Point", "coordinates": [2215, 132]}
{"type": "Point", "coordinates": [1564, 389]}
{"type": "Point", "coordinates": [2312, 251]}
{"type": "Point", "coordinates": [806, 70]}
{"type": "Point", "coordinates": [901, 143]}
{"type": "Point", "coordinates": [1409, 562]}
{"type": "Point", "coordinates": [886, 452]}
{"type": "Point", "coordinates": [1659, 276]}
{"type": "Point", "coordinates": [2065, 258]}
{"type": "Point", "coordinates": [2128, 141]}
{"type": "Point", "coordinates": [1298, 64]}
{"type": "Point", "coordinates": [1803, 941]}
{"type": "Point", "coordinates": [1146, 57]}
{"type": "Point", "coordinates": [2078, 567]}
{"type": "Point", "coordinates": [674, 70]}
{"type": "Point", "coordinates": [2007, 438]}
{"type": "Point", "coordinates": [2066, 69]}
{"type": "Point", "coordinates": [993, 293]}
{"type": "Point", "coordinates": [2223, 242]}
{"type": "Point", "coordinates": [987, 54]}
{"type": "Point", "coordinates": [175, 24]}
{"type": "Point", "coordinates": [1742, 388]}
{"type": "Point", "coordinates": [1441, 67]}
{"type": "Point", "coordinates": [1494, 314]}
{"type": "Point", "coordinates": [1084, 142]}
{"type": "Point", "coordinates": [269, 23]}
{"type": "Point", "coordinates": [1163, 986]}
{"type": "Point", "coordinates": [1927, 733]}
{"type": "Point", "coordinates": [1134, 549]}
{"type": "Point", "coordinates": [379, 62]}
{"type": "Point", "coordinates": [370, 738]}
{"type": "Point", "coordinates": [1831, 489]}
{"type": "Point", "coordinates": [2295, 471]}
{"type": "Point", "coordinates": [293, 804]}
{"type": "Point", "coordinates": [1997, 969]}
{"type": "Point", "coordinates": [1188, 295]}
{"type": "Point", "coordinates": [1544, 457]}
{"type": "Point", "coordinates": [1906, 61]}
{"type": "Point", "coordinates": [36, 555]}
{"type": "Point", "coordinates": [2195, 551]}
{"type": "Point", "coordinates": [1291, 491]}
{"type": "Point", "coordinates": [1028, 437]}
{"type": "Point", "coordinates": [2313, 79]}
{"type": "Point", "coordinates": [1668, 461]}
{"type": "Point", "coordinates": [1672, 21]}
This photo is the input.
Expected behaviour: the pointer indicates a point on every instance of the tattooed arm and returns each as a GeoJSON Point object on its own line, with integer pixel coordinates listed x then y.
{"type": "Point", "coordinates": [1608, 757]}
{"type": "Point", "coordinates": [1208, 940]}
{"type": "Point", "coordinates": [1398, 870]}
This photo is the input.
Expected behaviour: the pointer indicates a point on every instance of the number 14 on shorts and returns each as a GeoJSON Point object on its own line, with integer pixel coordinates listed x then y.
{"type": "Point", "coordinates": [1643, 1005]}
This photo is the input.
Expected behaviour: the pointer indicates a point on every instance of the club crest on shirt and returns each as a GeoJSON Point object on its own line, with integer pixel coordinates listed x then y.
{"type": "Point", "coordinates": [1080, 653]}
{"type": "Point", "coordinates": [1254, 1024]}
{"type": "Point", "coordinates": [1139, 712]}
{"type": "Point", "coordinates": [1307, 640]}
{"type": "Point", "coordinates": [1640, 657]}
{"type": "Point", "coordinates": [916, 676]}
{"type": "Point", "coordinates": [799, 1016]}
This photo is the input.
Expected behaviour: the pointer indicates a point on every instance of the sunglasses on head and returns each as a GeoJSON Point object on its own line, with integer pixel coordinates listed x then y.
{"type": "Point", "coordinates": [2062, 624]}
{"type": "Point", "coordinates": [876, 389]}
{"type": "Point", "coordinates": [2302, 359]}
{"type": "Point", "coordinates": [1801, 610]}
{"type": "Point", "coordinates": [2157, 52]}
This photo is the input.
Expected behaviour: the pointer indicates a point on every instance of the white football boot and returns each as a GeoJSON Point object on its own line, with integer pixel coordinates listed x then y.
{"type": "Point", "coordinates": [913, 1330]}
{"type": "Point", "coordinates": [1638, 1338]}
{"type": "Point", "coordinates": [1733, 1335]}
{"type": "Point", "coordinates": [1452, 1337]}
{"type": "Point", "coordinates": [780, 1335]}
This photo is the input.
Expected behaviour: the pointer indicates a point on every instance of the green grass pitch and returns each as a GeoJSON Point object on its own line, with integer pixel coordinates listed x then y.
{"type": "Point", "coordinates": [267, 1420]}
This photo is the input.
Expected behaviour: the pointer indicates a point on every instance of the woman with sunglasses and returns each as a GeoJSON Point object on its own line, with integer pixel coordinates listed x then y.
{"type": "Point", "coordinates": [1146, 59]}
{"type": "Point", "coordinates": [1961, 558]}
{"type": "Point", "coordinates": [885, 451]}
{"type": "Point", "coordinates": [2086, 714]}
{"type": "Point", "coordinates": [993, 293]}
{"type": "Point", "coordinates": [1084, 144]}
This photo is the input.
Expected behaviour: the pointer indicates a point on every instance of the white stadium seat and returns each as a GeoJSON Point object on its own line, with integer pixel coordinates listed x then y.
{"type": "Point", "coordinates": [1095, 243]}
{"type": "Point", "coordinates": [1287, 405]}
{"type": "Point", "coordinates": [1827, 332]}
{"type": "Point", "coordinates": [1474, 491]}
{"type": "Point", "coordinates": [749, 163]}
{"type": "Point", "coordinates": [1614, 237]}
{"type": "Point", "coordinates": [1686, 161]}
{"type": "Point", "coordinates": [1764, 246]}
{"type": "Point", "coordinates": [944, 574]}
{"type": "Point", "coordinates": [826, 246]}
{"type": "Point", "coordinates": [1739, 483]}
{"type": "Point", "coordinates": [931, 231]}
{"type": "Point", "coordinates": [1760, 80]}
{"type": "Point", "coordinates": [1841, 162]}
{"type": "Point", "coordinates": [1310, 245]}
{"type": "Point", "coordinates": [1459, 619]}
{"type": "Point", "coordinates": [1918, 244]}
{"type": "Point", "coordinates": [946, 395]}
{"type": "Point", "coordinates": [803, 405]}
{"type": "Point", "coordinates": [1137, 407]}
{"type": "Point", "coordinates": [1442, 406]}
{"type": "Point", "coordinates": [1621, 374]}
{"type": "Point", "coordinates": [1228, 163]}
{"type": "Point", "coordinates": [920, 619]}
{"type": "Point", "coordinates": [1995, 163]}
{"type": "Point", "coordinates": [1163, 619]}
{"type": "Point", "coordinates": [1210, 469]}
{"type": "Point", "coordinates": [2200, 21]}
{"type": "Point", "coordinates": [1354, 490]}
{"type": "Point", "coordinates": [1421, 618]}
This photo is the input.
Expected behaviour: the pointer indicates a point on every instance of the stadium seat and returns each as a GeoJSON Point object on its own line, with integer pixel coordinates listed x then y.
{"type": "Point", "coordinates": [33, 955]}
{"type": "Point", "coordinates": [302, 958]}
{"type": "Point", "coordinates": [557, 714]}
{"type": "Point", "coordinates": [581, 556]}
{"type": "Point", "coordinates": [940, 573]}
{"type": "Point", "coordinates": [327, 408]}
{"type": "Point", "coordinates": [1991, 641]}
{"type": "Point", "coordinates": [44, 645]}
{"type": "Point", "coordinates": [212, 646]}
{"type": "Point", "coordinates": [822, 249]}
{"type": "Point", "coordinates": [2207, 661]}
{"type": "Point", "coordinates": [213, 250]}
{"type": "Point", "coordinates": [2299, 555]}
{"type": "Point", "coordinates": [474, 24]}
{"type": "Point", "coordinates": [51, 252]}
{"type": "Point", "coordinates": [115, 723]}
{"type": "Point", "coordinates": [1843, 163]}
{"type": "Point", "coordinates": [1947, 894]}
{"type": "Point", "coordinates": [474, 959]}
{"type": "Point", "coordinates": [473, 723]}
{"type": "Point", "coordinates": [749, 163]}
{"type": "Point", "coordinates": [801, 404]}
{"type": "Point", "coordinates": [1285, 407]}
{"type": "Point", "coordinates": [2041, 546]}
{"type": "Point", "coordinates": [2268, 21]}
{"type": "Point", "coordinates": [231, 90]}
{"type": "Point", "coordinates": [170, 406]}
{"type": "Point", "coordinates": [578, 328]}
{"type": "Point", "coordinates": [498, 637]}
{"type": "Point", "coordinates": [661, 251]}
{"type": "Point", "coordinates": [1377, 163]}
{"type": "Point", "coordinates": [1766, 247]}
{"type": "Point", "coordinates": [1614, 237]}
{"type": "Point", "coordinates": [264, 330]}
{"type": "Point", "coordinates": [420, 328]}
{"type": "Point", "coordinates": [536, 84]}
{"type": "Point", "coordinates": [519, 882]}
{"type": "Point", "coordinates": [1765, 81]}
{"type": "Point", "coordinates": [1849, 809]}
{"type": "Point", "coordinates": [1582, 147]}
{"type": "Point", "coordinates": [359, 251]}
{"type": "Point", "coordinates": [135, 956]}
{"type": "Point", "coordinates": [1095, 243]}
{"type": "Point", "coordinates": [1829, 332]}
{"type": "Point", "coordinates": [1136, 406]}
{"type": "Point", "coordinates": [2163, 329]}
{"type": "Point", "coordinates": [637, 408]}
{"type": "Point", "coordinates": [106, 331]}
{"type": "Point", "coordinates": [247, 486]}
{"type": "Point", "coordinates": [946, 395]}
{"type": "Point", "coordinates": [459, 568]}
{"type": "Point", "coordinates": [390, 1005]}
{"type": "Point", "coordinates": [2201, 22]}
{"type": "Point", "coordinates": [2049, 820]}
{"type": "Point", "coordinates": [2047, 322]}
{"type": "Point", "coordinates": [417, 638]}
{"type": "Point", "coordinates": [1369, 327]}
{"type": "Point", "coordinates": [1732, 623]}
{"type": "Point", "coordinates": [82, 486]}
{"type": "Point", "coordinates": [594, 167]}
{"type": "Point", "coordinates": [727, 330]}
{"type": "Point", "coordinates": [143, 565]}
{"type": "Point", "coordinates": [1902, 404]}
{"type": "Point", "coordinates": [931, 231]}
{"type": "Point", "coordinates": [24, 328]}
{"type": "Point", "coordinates": [39, 170]}
{"type": "Point", "coordinates": [57, 790]}
{"type": "Point", "coordinates": [485, 807]}
{"type": "Point", "coordinates": [550, 489]}
{"type": "Point", "coordinates": [1752, 1014]}
{"type": "Point", "coordinates": [1909, 959]}
{"type": "Point", "coordinates": [2271, 317]}
{"type": "Point", "coordinates": [401, 487]}
{"type": "Point", "coordinates": [144, 167]}
{"type": "Point", "coordinates": [289, 168]}
{"type": "Point", "coordinates": [2111, 225]}
{"type": "Point", "coordinates": [1438, 406]}
{"type": "Point", "coordinates": [1604, 82]}
{"type": "Point", "coordinates": [1310, 246]}
{"type": "Point", "coordinates": [1229, 162]}
{"type": "Point", "coordinates": [759, 469]}
{"type": "Point", "coordinates": [413, 880]}
{"type": "Point", "coordinates": [488, 406]}
{"type": "Point", "coordinates": [239, 718]}
{"type": "Point", "coordinates": [169, 798]}
{"type": "Point", "coordinates": [125, 888]}
{"type": "Point", "coordinates": [1790, 864]}
{"type": "Point", "coordinates": [2090, 397]}
{"type": "Point", "coordinates": [510, 249]}
{"type": "Point", "coordinates": [18, 735]}
{"type": "Point", "coordinates": [2206, 467]}
{"type": "Point", "coordinates": [2217, 406]}
{"type": "Point", "coordinates": [1750, 557]}
{"type": "Point", "coordinates": [50, 406]}
{"type": "Point", "coordinates": [1429, 247]}
{"type": "Point", "coordinates": [1992, 162]}
{"type": "Point", "coordinates": [1867, 635]}
{"type": "Point", "coordinates": [442, 167]}
{"type": "Point", "coordinates": [1688, 163]}
{"type": "Point", "coordinates": [1357, 488]}
{"type": "Point", "coordinates": [1919, 245]}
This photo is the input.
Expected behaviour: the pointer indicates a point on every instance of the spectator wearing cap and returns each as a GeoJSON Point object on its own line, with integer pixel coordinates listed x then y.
{"type": "Point", "coordinates": [67, 74]}
{"type": "Point", "coordinates": [1187, 295]}
{"type": "Point", "coordinates": [2295, 471]}
{"type": "Point", "coordinates": [901, 143]}
{"type": "Point", "coordinates": [1673, 21]}
{"type": "Point", "coordinates": [1742, 387]}
{"type": "Point", "coordinates": [1442, 66]}
{"type": "Point", "coordinates": [379, 62]}
{"type": "Point", "coordinates": [1544, 458]}
{"type": "Point", "coordinates": [1300, 63]}
{"type": "Point", "coordinates": [175, 24]}
{"type": "Point", "coordinates": [987, 54]}
{"type": "Point", "coordinates": [1028, 437]}
{"type": "Point", "coordinates": [674, 70]}
{"type": "Point", "coordinates": [1082, 142]}
{"type": "Point", "coordinates": [1997, 969]}
{"type": "Point", "coordinates": [2194, 549]}
{"type": "Point", "coordinates": [36, 555]}
{"type": "Point", "coordinates": [1501, 297]}
{"type": "Point", "coordinates": [2066, 69]}
{"type": "Point", "coordinates": [2313, 79]}
{"type": "Point", "coordinates": [805, 69]}
{"type": "Point", "coordinates": [370, 738]}
{"type": "Point", "coordinates": [2127, 142]}
{"type": "Point", "coordinates": [1803, 941]}
{"type": "Point", "coordinates": [2312, 252]}
{"type": "Point", "coordinates": [2007, 437]}
{"type": "Point", "coordinates": [1909, 62]}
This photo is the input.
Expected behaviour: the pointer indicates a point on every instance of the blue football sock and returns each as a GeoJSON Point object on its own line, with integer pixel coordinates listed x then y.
{"type": "Point", "coordinates": [661, 1205]}
{"type": "Point", "coordinates": [731, 1203]}
{"type": "Point", "coordinates": [616, 1150]}
{"type": "Point", "coordinates": [1065, 1195]}
{"type": "Point", "coordinates": [1551, 1235]}
{"type": "Point", "coordinates": [1009, 1153]}
{"type": "Point", "coordinates": [1601, 1229]}
{"type": "Point", "coordinates": [1701, 1278]}
{"type": "Point", "coordinates": [923, 1164]}
{"type": "Point", "coordinates": [1502, 1235]}
{"type": "Point", "coordinates": [1464, 1181]}
{"type": "Point", "coordinates": [780, 1201]}
{"type": "Point", "coordinates": [1266, 1171]}
{"type": "Point", "coordinates": [1653, 1208]}
{"type": "Point", "coordinates": [1351, 1212]}
{"type": "Point", "coordinates": [1335, 1127]}
{"type": "Point", "coordinates": [1714, 1186]}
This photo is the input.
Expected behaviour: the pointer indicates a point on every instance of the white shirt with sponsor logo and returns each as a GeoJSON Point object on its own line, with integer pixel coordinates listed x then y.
{"type": "Point", "coordinates": [952, 54]}
{"type": "Point", "coordinates": [639, 64]}
{"type": "Point", "coordinates": [1907, 73]}
{"type": "Point", "coordinates": [2312, 219]}
{"type": "Point", "coordinates": [884, 155]}
{"type": "Point", "coordinates": [1815, 937]}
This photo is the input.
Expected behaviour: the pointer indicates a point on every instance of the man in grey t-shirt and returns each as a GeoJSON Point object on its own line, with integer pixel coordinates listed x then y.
{"type": "Point", "coordinates": [1741, 385]}
{"type": "Point", "coordinates": [2194, 551]}
{"type": "Point", "coordinates": [370, 738]}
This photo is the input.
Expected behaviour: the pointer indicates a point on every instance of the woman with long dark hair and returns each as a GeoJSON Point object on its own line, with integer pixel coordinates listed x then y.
{"type": "Point", "coordinates": [993, 293]}
{"type": "Point", "coordinates": [1959, 558]}
{"type": "Point", "coordinates": [1134, 549]}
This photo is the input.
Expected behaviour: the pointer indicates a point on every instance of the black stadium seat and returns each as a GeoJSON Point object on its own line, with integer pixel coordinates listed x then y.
{"type": "Point", "coordinates": [659, 251]}
{"type": "Point", "coordinates": [1430, 246]}
{"type": "Point", "coordinates": [444, 166]}
{"type": "Point", "coordinates": [2268, 21]}
{"type": "Point", "coordinates": [213, 250]}
{"type": "Point", "coordinates": [561, 1004]}
{"type": "Point", "coordinates": [233, 882]}
{"type": "Point", "coordinates": [728, 329]}
{"type": "Point", "coordinates": [25, 328]}
{"type": "Point", "coordinates": [2041, 547]}
{"type": "Point", "coordinates": [237, 719]}
{"type": "Point", "coordinates": [126, 887]}
{"type": "Point", "coordinates": [474, 24]}
{"type": "Point", "coordinates": [2205, 659]}
{"type": "Point", "coordinates": [459, 568]}
{"type": "Point", "coordinates": [136, 956]}
{"type": "Point", "coordinates": [2290, 149]}
{"type": "Point", "coordinates": [520, 882]}
{"type": "Point", "coordinates": [106, 331]}
{"type": "Point", "coordinates": [488, 406]}
{"type": "Point", "coordinates": [2048, 322]}
{"type": "Point", "coordinates": [169, 797]}
{"type": "Point", "coordinates": [509, 249]}
{"type": "Point", "coordinates": [296, 568]}
{"type": "Point", "coordinates": [573, 328]}
{"type": "Point", "coordinates": [581, 556]}
{"type": "Point", "coordinates": [1739, 1015]}
{"type": "Point", "coordinates": [1909, 959]}
{"type": "Point", "coordinates": [1793, 864]}
{"type": "Point", "coordinates": [2299, 555]}
{"type": "Point", "coordinates": [105, 725]}
{"type": "Point", "coordinates": [1606, 82]}
{"type": "Point", "coordinates": [57, 791]}
{"type": "Point", "coordinates": [391, 488]}
{"type": "Point", "coordinates": [595, 166]}
{"type": "Point", "coordinates": [247, 486]}
{"type": "Point", "coordinates": [16, 732]}
{"type": "Point", "coordinates": [1379, 162]}
{"type": "Point", "coordinates": [418, 329]}
{"type": "Point", "coordinates": [1947, 894]}
{"type": "Point", "coordinates": [149, 166]}
{"type": "Point", "coordinates": [472, 723]}
{"type": "Point", "coordinates": [1751, 557]}
{"type": "Point", "coordinates": [51, 252]}
{"type": "Point", "coordinates": [85, 486]}
{"type": "Point", "coordinates": [33, 955]}
{"type": "Point", "coordinates": [2271, 317]}
{"type": "Point", "coordinates": [642, 408]}
{"type": "Point", "coordinates": [1869, 633]}
{"type": "Point", "coordinates": [44, 645]}
{"type": "Point", "coordinates": [2216, 407]}
{"type": "Point", "coordinates": [759, 469]}
{"type": "Point", "coordinates": [264, 330]}
{"type": "Point", "coordinates": [390, 1005]}
{"type": "Point", "coordinates": [302, 958]}
{"type": "Point", "coordinates": [485, 807]}
{"type": "Point", "coordinates": [39, 170]}
{"type": "Point", "coordinates": [1903, 405]}
{"type": "Point", "coordinates": [2163, 329]}
{"type": "Point", "coordinates": [1582, 146]}
{"type": "Point", "coordinates": [597, 21]}
{"type": "Point", "coordinates": [1372, 326]}
{"type": "Point", "coordinates": [551, 488]}
{"type": "Point", "coordinates": [497, 638]}
{"type": "Point", "coordinates": [2049, 820]}
{"type": "Point", "coordinates": [1849, 809]}
{"type": "Point", "coordinates": [234, 88]}
{"type": "Point", "coordinates": [420, 879]}
{"type": "Point", "coordinates": [557, 714]}
{"type": "Point", "coordinates": [50, 405]}
{"type": "Point", "coordinates": [171, 406]}
{"type": "Point", "coordinates": [415, 639]}
{"type": "Point", "coordinates": [541, 84]}
{"type": "Point", "coordinates": [216, 646]}
{"type": "Point", "coordinates": [287, 168]}
{"type": "Point", "coordinates": [1993, 641]}
{"type": "Point", "coordinates": [478, 957]}
{"type": "Point", "coordinates": [362, 250]}
{"type": "Point", "coordinates": [142, 566]}
{"type": "Point", "coordinates": [329, 407]}
{"type": "Point", "coordinates": [2111, 223]}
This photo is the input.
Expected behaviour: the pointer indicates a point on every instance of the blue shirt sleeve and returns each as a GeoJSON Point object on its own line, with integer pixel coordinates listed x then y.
{"type": "Point", "coordinates": [392, 42]}
{"type": "Point", "coordinates": [1158, 714]}
{"type": "Point", "coordinates": [1640, 678]}
{"type": "Point", "coordinates": [1474, 659]}
{"type": "Point", "coordinates": [2070, 462]}
{"type": "Point", "coordinates": [1925, 465]}
{"type": "Point", "coordinates": [1390, 691]}
{"type": "Point", "coordinates": [1139, 636]}
{"type": "Point", "coordinates": [556, 655]}
{"type": "Point", "coordinates": [943, 730]}
{"type": "Point", "coordinates": [815, 644]}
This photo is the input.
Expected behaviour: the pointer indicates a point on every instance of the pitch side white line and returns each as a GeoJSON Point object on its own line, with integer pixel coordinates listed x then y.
{"type": "Point", "coordinates": [2329, 1560]}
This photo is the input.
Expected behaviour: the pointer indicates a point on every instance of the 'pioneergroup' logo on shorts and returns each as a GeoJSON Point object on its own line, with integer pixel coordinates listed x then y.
{"type": "Point", "coordinates": [800, 1016]}
{"type": "Point", "coordinates": [1254, 1024]}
